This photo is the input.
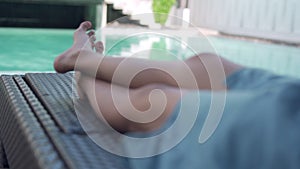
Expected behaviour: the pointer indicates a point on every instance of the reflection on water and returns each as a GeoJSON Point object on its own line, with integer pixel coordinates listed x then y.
{"type": "Point", "coordinates": [148, 46]}
{"type": "Point", "coordinates": [35, 49]}
{"type": "Point", "coordinates": [277, 58]}
{"type": "Point", "coordinates": [280, 59]}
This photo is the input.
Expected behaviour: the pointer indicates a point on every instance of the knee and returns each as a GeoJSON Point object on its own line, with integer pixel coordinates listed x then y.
{"type": "Point", "coordinates": [157, 105]}
{"type": "Point", "coordinates": [140, 96]}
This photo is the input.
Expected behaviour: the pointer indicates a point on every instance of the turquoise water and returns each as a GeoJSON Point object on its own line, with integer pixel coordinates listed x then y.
{"type": "Point", "coordinates": [35, 49]}
{"type": "Point", "coordinates": [31, 49]}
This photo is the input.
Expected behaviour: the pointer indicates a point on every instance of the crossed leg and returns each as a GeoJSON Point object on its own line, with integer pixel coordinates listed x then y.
{"type": "Point", "coordinates": [117, 110]}
{"type": "Point", "coordinates": [144, 91]}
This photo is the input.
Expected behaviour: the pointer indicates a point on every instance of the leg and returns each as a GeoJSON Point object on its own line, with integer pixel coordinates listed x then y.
{"type": "Point", "coordinates": [89, 63]}
{"type": "Point", "coordinates": [100, 96]}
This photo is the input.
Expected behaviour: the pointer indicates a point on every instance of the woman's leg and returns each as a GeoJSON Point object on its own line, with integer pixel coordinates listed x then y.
{"type": "Point", "coordinates": [201, 68]}
{"type": "Point", "coordinates": [112, 102]}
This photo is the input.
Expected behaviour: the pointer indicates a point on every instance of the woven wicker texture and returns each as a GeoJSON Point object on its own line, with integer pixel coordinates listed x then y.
{"type": "Point", "coordinates": [40, 127]}
{"type": "Point", "coordinates": [24, 140]}
{"type": "Point", "coordinates": [55, 93]}
{"type": "Point", "coordinates": [3, 160]}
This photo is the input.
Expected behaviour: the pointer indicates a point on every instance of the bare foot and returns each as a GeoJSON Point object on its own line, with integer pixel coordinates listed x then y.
{"type": "Point", "coordinates": [66, 61]}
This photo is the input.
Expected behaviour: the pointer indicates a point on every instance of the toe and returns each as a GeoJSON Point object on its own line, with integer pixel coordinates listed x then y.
{"type": "Point", "coordinates": [84, 26]}
{"type": "Point", "coordinates": [99, 47]}
{"type": "Point", "coordinates": [92, 38]}
{"type": "Point", "coordinates": [91, 33]}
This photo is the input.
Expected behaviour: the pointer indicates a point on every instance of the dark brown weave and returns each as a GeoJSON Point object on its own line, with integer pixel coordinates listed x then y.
{"type": "Point", "coordinates": [40, 129]}
{"type": "Point", "coordinates": [3, 160]}
{"type": "Point", "coordinates": [25, 142]}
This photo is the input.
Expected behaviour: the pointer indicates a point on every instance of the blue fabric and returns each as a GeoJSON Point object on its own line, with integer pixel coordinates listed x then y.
{"type": "Point", "coordinates": [259, 129]}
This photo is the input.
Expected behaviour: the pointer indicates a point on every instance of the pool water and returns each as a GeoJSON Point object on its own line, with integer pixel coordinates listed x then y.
{"type": "Point", "coordinates": [23, 50]}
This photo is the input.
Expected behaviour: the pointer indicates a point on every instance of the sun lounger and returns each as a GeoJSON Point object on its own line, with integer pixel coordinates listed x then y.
{"type": "Point", "coordinates": [39, 128]}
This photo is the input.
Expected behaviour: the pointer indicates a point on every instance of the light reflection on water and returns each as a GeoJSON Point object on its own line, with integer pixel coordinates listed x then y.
{"type": "Point", "coordinates": [280, 59]}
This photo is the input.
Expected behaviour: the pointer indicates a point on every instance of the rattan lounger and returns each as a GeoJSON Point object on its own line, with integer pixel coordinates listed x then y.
{"type": "Point", "coordinates": [39, 128]}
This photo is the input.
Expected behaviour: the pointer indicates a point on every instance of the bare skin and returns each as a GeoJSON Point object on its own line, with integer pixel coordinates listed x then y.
{"type": "Point", "coordinates": [95, 64]}
{"type": "Point", "coordinates": [98, 70]}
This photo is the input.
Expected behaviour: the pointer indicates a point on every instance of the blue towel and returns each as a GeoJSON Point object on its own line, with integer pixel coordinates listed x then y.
{"type": "Point", "coordinates": [258, 129]}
